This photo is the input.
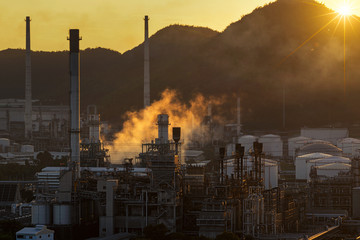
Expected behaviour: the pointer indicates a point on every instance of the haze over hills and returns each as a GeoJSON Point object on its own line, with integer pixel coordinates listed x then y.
{"type": "Point", "coordinates": [248, 59]}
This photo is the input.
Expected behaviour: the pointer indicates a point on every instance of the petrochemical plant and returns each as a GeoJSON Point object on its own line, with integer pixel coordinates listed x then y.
{"type": "Point", "coordinates": [259, 186]}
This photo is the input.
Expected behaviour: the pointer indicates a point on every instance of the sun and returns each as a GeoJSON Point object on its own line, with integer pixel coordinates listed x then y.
{"type": "Point", "coordinates": [345, 9]}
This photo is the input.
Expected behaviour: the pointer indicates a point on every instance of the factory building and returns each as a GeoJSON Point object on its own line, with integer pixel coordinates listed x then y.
{"type": "Point", "coordinates": [49, 123]}
{"type": "Point", "coordinates": [236, 190]}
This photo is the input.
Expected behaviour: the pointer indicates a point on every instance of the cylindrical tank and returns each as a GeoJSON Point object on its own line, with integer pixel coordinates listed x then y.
{"type": "Point", "coordinates": [230, 149]}
{"type": "Point", "coordinates": [27, 148]}
{"type": "Point", "coordinates": [332, 169]}
{"type": "Point", "coordinates": [270, 175]}
{"type": "Point", "coordinates": [62, 214]}
{"type": "Point", "coordinates": [301, 162]}
{"type": "Point", "coordinates": [41, 214]}
{"type": "Point", "coordinates": [349, 146]}
{"type": "Point", "coordinates": [247, 142]}
{"type": "Point", "coordinates": [296, 143]}
{"type": "Point", "coordinates": [4, 144]}
{"type": "Point", "coordinates": [272, 145]}
{"type": "Point", "coordinates": [324, 161]}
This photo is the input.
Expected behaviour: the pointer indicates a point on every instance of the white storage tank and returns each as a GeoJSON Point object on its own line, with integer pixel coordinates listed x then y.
{"type": "Point", "coordinates": [247, 142]}
{"type": "Point", "coordinates": [272, 145]}
{"type": "Point", "coordinates": [62, 214]}
{"type": "Point", "coordinates": [270, 171]}
{"type": "Point", "coordinates": [230, 149]}
{"type": "Point", "coordinates": [41, 214]}
{"type": "Point", "coordinates": [301, 161]}
{"type": "Point", "coordinates": [320, 146]}
{"type": "Point", "coordinates": [324, 161]}
{"type": "Point", "coordinates": [296, 143]}
{"type": "Point", "coordinates": [332, 169]}
{"type": "Point", "coordinates": [4, 144]}
{"type": "Point", "coordinates": [270, 175]}
{"type": "Point", "coordinates": [349, 146]}
{"type": "Point", "coordinates": [27, 148]}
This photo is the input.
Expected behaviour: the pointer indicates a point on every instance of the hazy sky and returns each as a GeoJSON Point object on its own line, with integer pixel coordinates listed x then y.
{"type": "Point", "coordinates": [114, 24]}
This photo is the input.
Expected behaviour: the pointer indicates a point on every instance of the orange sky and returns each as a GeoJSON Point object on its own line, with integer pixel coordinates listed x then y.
{"type": "Point", "coordinates": [114, 24]}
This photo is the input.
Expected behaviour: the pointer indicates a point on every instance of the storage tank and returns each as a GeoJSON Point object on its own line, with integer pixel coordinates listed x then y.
{"type": "Point", "coordinates": [41, 214]}
{"type": "Point", "coordinates": [301, 161]}
{"type": "Point", "coordinates": [296, 143]}
{"type": "Point", "coordinates": [230, 149]}
{"type": "Point", "coordinates": [349, 146]}
{"type": "Point", "coordinates": [27, 148]}
{"type": "Point", "coordinates": [270, 175]}
{"type": "Point", "coordinates": [324, 161]}
{"type": "Point", "coordinates": [247, 142]}
{"type": "Point", "coordinates": [272, 145]}
{"type": "Point", "coordinates": [62, 214]}
{"type": "Point", "coordinates": [270, 171]}
{"type": "Point", "coordinates": [320, 146]}
{"type": "Point", "coordinates": [332, 169]}
{"type": "Point", "coordinates": [4, 144]}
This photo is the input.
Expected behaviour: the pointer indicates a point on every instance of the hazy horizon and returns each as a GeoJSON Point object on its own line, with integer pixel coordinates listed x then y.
{"type": "Point", "coordinates": [101, 24]}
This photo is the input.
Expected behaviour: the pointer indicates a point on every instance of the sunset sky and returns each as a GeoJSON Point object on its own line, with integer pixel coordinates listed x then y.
{"type": "Point", "coordinates": [114, 24]}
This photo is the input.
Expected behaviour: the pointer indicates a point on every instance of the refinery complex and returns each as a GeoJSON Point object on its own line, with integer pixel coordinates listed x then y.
{"type": "Point", "coordinates": [254, 185]}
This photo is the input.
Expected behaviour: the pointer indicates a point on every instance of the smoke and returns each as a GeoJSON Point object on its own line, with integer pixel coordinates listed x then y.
{"type": "Point", "coordinates": [140, 126]}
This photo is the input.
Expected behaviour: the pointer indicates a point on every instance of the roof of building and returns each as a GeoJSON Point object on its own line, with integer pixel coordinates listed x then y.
{"type": "Point", "coordinates": [95, 169]}
{"type": "Point", "coordinates": [192, 153]}
{"type": "Point", "coordinates": [248, 137]}
{"type": "Point", "coordinates": [38, 229]}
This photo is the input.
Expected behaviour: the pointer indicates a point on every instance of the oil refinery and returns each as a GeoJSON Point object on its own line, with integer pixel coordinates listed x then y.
{"type": "Point", "coordinates": [223, 179]}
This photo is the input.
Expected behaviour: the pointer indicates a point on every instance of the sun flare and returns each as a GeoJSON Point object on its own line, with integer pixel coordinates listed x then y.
{"type": "Point", "coordinates": [345, 9]}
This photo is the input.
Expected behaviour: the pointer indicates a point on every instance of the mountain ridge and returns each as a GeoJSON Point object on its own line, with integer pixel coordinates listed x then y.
{"type": "Point", "coordinates": [249, 58]}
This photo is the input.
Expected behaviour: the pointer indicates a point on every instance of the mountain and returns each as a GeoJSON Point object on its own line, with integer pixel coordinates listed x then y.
{"type": "Point", "coordinates": [254, 57]}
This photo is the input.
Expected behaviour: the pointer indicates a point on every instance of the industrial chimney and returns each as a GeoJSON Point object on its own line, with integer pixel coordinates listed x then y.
{"type": "Point", "coordinates": [146, 65]}
{"type": "Point", "coordinates": [163, 129]}
{"type": "Point", "coordinates": [238, 130]}
{"type": "Point", "coordinates": [75, 101]}
{"type": "Point", "coordinates": [28, 106]}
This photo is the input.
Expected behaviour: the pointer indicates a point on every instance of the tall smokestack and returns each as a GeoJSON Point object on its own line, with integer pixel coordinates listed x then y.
{"type": "Point", "coordinates": [238, 118]}
{"type": "Point", "coordinates": [75, 101]}
{"type": "Point", "coordinates": [28, 106]}
{"type": "Point", "coordinates": [146, 65]}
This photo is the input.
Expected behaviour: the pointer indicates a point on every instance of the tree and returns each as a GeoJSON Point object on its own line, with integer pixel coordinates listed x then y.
{"type": "Point", "coordinates": [44, 159]}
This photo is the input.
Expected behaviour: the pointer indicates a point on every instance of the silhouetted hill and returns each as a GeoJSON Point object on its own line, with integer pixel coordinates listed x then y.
{"type": "Point", "coordinates": [251, 57]}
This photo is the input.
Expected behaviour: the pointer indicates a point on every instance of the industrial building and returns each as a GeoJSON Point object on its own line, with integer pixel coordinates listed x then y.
{"type": "Point", "coordinates": [236, 190]}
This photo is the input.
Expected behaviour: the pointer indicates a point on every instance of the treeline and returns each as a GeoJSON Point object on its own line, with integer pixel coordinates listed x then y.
{"type": "Point", "coordinates": [16, 172]}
